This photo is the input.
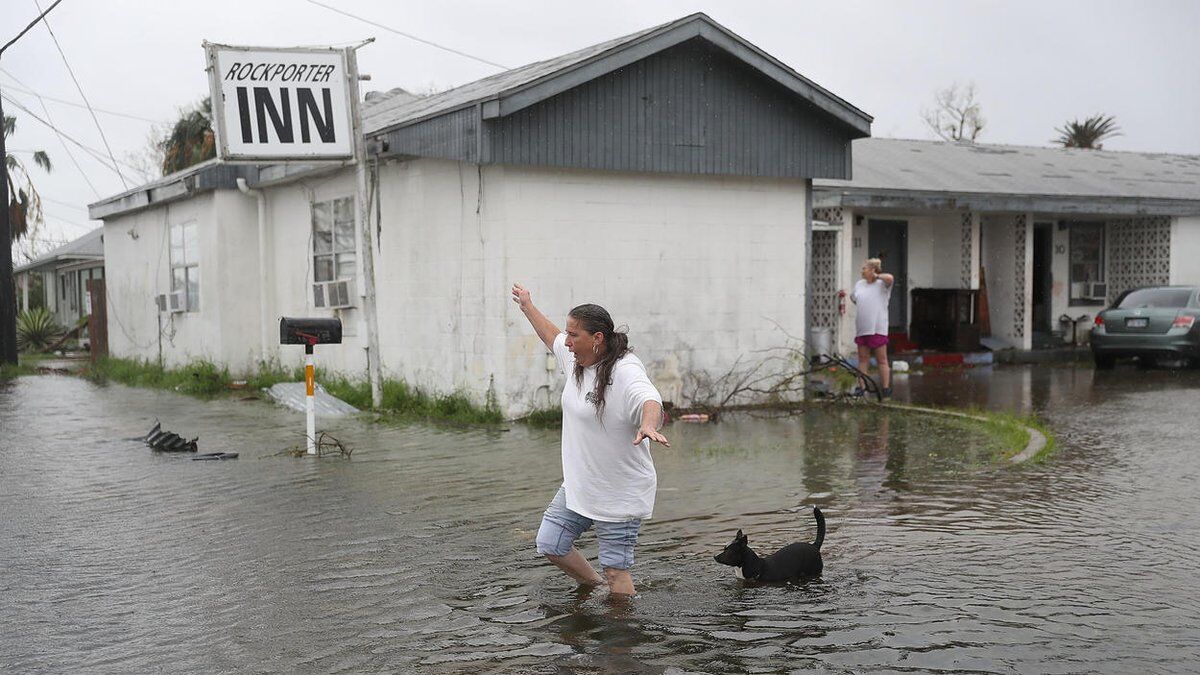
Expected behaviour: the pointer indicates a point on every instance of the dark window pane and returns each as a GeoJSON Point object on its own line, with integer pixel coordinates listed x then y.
{"type": "Point", "coordinates": [323, 268]}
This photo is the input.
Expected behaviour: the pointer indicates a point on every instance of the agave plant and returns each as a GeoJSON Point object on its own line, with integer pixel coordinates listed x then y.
{"type": "Point", "coordinates": [1088, 133]}
{"type": "Point", "coordinates": [37, 330]}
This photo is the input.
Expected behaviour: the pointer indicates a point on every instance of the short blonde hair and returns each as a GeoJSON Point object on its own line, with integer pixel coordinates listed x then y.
{"type": "Point", "coordinates": [875, 264]}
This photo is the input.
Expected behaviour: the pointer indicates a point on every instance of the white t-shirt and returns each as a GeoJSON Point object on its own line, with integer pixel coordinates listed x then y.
{"type": "Point", "coordinates": [607, 477]}
{"type": "Point", "coordinates": [872, 301]}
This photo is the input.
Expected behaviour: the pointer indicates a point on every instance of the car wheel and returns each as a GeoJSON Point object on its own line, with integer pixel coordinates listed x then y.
{"type": "Point", "coordinates": [1104, 362]}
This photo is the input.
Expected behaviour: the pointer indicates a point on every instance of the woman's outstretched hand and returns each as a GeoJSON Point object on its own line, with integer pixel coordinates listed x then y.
{"type": "Point", "coordinates": [521, 296]}
{"type": "Point", "coordinates": [651, 433]}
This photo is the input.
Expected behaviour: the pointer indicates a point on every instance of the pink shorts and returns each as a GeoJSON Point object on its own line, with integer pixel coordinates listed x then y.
{"type": "Point", "coordinates": [871, 341]}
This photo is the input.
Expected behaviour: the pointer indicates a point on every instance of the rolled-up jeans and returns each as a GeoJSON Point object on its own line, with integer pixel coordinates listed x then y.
{"type": "Point", "coordinates": [562, 526]}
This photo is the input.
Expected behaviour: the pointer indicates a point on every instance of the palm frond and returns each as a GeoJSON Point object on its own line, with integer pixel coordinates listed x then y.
{"type": "Point", "coordinates": [43, 160]}
{"type": "Point", "coordinates": [1087, 134]}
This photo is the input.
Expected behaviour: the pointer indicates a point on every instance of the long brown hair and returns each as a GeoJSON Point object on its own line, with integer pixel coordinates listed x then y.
{"type": "Point", "coordinates": [595, 319]}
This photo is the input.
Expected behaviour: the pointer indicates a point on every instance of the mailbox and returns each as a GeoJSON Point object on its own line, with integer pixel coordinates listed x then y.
{"type": "Point", "coordinates": [320, 331]}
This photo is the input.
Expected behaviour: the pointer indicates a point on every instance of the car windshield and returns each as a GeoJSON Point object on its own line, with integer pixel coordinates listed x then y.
{"type": "Point", "coordinates": [1157, 297]}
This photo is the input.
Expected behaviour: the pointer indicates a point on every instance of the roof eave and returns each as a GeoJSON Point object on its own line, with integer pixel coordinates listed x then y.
{"type": "Point", "coordinates": [875, 198]}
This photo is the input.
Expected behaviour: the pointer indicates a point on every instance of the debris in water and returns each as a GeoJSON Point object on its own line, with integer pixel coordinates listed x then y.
{"type": "Point", "coordinates": [215, 455]}
{"type": "Point", "coordinates": [168, 441]}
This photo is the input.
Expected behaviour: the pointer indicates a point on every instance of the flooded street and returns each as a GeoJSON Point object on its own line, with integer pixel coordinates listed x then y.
{"type": "Point", "coordinates": [416, 555]}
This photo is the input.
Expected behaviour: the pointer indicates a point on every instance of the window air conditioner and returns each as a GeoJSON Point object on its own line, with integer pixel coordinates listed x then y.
{"type": "Point", "coordinates": [334, 294]}
{"type": "Point", "coordinates": [160, 301]}
{"type": "Point", "coordinates": [177, 301]}
{"type": "Point", "coordinates": [1097, 290]}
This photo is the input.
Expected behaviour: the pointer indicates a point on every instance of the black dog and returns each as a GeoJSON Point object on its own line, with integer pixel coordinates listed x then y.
{"type": "Point", "coordinates": [788, 563]}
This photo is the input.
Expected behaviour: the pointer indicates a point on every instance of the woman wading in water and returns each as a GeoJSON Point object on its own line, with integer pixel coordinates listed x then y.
{"type": "Point", "coordinates": [608, 481]}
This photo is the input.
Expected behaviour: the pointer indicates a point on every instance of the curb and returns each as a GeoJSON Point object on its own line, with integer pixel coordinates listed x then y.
{"type": "Point", "coordinates": [1037, 440]}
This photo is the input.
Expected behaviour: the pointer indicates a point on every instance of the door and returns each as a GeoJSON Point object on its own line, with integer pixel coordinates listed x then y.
{"type": "Point", "coordinates": [888, 241]}
{"type": "Point", "coordinates": [1043, 279]}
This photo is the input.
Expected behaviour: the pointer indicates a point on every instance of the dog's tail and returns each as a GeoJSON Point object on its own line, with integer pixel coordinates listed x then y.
{"type": "Point", "coordinates": [820, 527]}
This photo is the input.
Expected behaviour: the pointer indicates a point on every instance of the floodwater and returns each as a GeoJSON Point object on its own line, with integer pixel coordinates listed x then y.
{"type": "Point", "coordinates": [416, 554]}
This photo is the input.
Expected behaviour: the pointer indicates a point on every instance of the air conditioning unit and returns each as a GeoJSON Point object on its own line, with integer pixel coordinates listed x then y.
{"type": "Point", "coordinates": [334, 294]}
{"type": "Point", "coordinates": [1097, 290]}
{"type": "Point", "coordinates": [177, 302]}
{"type": "Point", "coordinates": [160, 301]}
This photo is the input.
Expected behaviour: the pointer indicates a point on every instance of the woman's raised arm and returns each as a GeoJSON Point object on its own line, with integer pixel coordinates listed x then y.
{"type": "Point", "coordinates": [545, 328]}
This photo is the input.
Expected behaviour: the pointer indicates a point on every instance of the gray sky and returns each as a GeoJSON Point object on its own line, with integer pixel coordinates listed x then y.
{"type": "Point", "coordinates": [1035, 64]}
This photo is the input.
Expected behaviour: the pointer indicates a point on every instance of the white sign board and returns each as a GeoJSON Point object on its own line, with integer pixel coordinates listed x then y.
{"type": "Point", "coordinates": [280, 104]}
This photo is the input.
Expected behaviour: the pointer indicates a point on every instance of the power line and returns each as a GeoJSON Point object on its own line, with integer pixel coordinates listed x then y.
{"type": "Point", "coordinates": [96, 154]}
{"type": "Point", "coordinates": [408, 35]}
{"type": "Point", "coordinates": [64, 144]}
{"type": "Point", "coordinates": [24, 89]}
{"type": "Point", "coordinates": [66, 204]}
{"type": "Point", "coordinates": [31, 25]}
{"type": "Point", "coordinates": [78, 87]}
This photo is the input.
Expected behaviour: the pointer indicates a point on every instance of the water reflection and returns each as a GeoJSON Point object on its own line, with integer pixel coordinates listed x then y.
{"type": "Point", "coordinates": [417, 554]}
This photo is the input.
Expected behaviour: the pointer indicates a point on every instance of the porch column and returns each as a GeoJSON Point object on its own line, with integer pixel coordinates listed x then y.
{"type": "Point", "coordinates": [971, 222]}
{"type": "Point", "coordinates": [25, 292]}
{"type": "Point", "coordinates": [853, 241]}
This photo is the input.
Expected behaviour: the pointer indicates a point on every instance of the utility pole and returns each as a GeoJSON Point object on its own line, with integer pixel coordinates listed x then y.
{"type": "Point", "coordinates": [8, 292]}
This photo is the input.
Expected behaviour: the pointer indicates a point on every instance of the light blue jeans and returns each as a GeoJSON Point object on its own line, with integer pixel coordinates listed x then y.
{"type": "Point", "coordinates": [562, 526]}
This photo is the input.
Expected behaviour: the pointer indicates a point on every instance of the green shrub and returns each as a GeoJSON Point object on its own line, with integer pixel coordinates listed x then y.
{"type": "Point", "coordinates": [37, 330]}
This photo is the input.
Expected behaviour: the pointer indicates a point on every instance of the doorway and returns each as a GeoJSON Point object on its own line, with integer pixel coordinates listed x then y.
{"type": "Point", "coordinates": [888, 241]}
{"type": "Point", "coordinates": [1043, 281]}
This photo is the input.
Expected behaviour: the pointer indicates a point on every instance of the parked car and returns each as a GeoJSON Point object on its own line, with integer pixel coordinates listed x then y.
{"type": "Point", "coordinates": [1150, 323]}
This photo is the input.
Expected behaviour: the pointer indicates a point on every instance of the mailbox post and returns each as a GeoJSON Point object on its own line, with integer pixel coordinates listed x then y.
{"type": "Point", "coordinates": [310, 332]}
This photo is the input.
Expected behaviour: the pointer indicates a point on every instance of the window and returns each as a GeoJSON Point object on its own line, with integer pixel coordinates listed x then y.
{"type": "Point", "coordinates": [1086, 253]}
{"type": "Point", "coordinates": [333, 240]}
{"type": "Point", "coordinates": [185, 264]}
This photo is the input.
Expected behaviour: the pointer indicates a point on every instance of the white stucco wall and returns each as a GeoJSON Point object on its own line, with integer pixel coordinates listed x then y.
{"type": "Point", "coordinates": [1185, 250]}
{"type": "Point", "coordinates": [138, 264]}
{"type": "Point", "coordinates": [702, 270]}
{"type": "Point", "coordinates": [934, 251]}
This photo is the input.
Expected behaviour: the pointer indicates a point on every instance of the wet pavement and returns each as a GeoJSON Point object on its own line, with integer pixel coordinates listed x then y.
{"type": "Point", "coordinates": [416, 554]}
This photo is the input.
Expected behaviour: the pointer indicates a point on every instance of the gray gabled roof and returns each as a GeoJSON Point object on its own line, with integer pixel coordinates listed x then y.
{"type": "Point", "coordinates": [88, 247]}
{"type": "Point", "coordinates": [516, 89]}
{"type": "Point", "coordinates": [892, 167]}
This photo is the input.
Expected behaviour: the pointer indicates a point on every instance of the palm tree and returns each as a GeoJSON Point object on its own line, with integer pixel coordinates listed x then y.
{"type": "Point", "coordinates": [1088, 133]}
{"type": "Point", "coordinates": [191, 139]}
{"type": "Point", "coordinates": [25, 204]}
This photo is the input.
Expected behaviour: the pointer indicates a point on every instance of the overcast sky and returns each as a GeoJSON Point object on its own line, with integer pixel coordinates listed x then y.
{"type": "Point", "coordinates": [1035, 64]}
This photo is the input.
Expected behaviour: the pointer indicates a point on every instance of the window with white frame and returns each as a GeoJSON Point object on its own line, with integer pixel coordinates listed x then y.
{"type": "Point", "coordinates": [333, 240]}
{"type": "Point", "coordinates": [185, 264]}
{"type": "Point", "coordinates": [1086, 253]}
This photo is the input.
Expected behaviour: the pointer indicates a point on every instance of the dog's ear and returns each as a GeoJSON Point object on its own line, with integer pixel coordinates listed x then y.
{"type": "Point", "coordinates": [741, 537]}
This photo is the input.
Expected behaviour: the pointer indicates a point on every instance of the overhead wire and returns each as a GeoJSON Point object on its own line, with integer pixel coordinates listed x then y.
{"type": "Point", "coordinates": [95, 154]}
{"type": "Point", "coordinates": [96, 120]}
{"type": "Point", "coordinates": [408, 35]}
{"type": "Point", "coordinates": [63, 143]}
{"type": "Point", "coordinates": [24, 89]}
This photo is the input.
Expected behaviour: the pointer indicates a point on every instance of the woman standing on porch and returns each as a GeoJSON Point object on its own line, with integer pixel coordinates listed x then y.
{"type": "Point", "coordinates": [608, 483]}
{"type": "Point", "coordinates": [871, 294]}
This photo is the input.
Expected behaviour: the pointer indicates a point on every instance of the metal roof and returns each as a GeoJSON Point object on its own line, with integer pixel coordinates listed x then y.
{"type": "Point", "coordinates": [518, 88]}
{"type": "Point", "coordinates": [88, 247]}
{"type": "Point", "coordinates": [893, 167]}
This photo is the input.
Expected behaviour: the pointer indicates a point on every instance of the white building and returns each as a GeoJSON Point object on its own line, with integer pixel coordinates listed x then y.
{"type": "Point", "coordinates": [1058, 232]}
{"type": "Point", "coordinates": [61, 278]}
{"type": "Point", "coordinates": [666, 175]}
